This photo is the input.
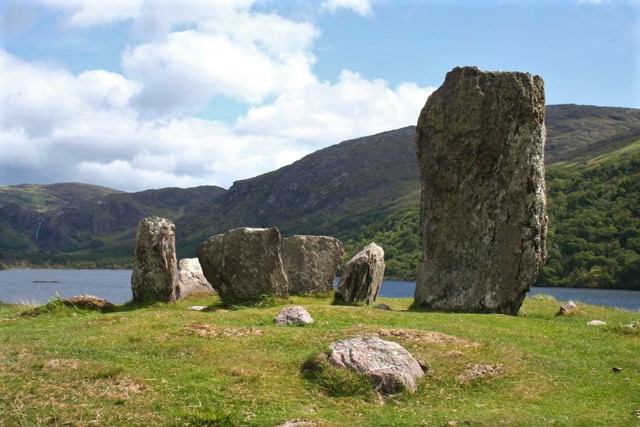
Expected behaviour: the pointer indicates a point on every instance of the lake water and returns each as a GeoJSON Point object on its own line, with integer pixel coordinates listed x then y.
{"type": "Point", "coordinates": [39, 286]}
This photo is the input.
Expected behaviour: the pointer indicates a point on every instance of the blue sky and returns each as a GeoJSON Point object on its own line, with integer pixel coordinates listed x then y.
{"type": "Point", "coordinates": [137, 94]}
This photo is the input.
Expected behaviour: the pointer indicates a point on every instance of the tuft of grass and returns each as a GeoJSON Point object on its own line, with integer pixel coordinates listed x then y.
{"type": "Point", "coordinates": [335, 381]}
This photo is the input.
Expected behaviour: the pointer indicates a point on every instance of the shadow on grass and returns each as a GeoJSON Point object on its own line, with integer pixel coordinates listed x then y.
{"type": "Point", "coordinates": [335, 381]}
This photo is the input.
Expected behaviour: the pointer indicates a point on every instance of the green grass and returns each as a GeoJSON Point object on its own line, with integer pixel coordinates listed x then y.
{"type": "Point", "coordinates": [165, 365]}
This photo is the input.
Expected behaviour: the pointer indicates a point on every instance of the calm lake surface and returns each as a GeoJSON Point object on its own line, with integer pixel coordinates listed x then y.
{"type": "Point", "coordinates": [39, 286]}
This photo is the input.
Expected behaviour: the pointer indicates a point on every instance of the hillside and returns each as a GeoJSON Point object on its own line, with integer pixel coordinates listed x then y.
{"type": "Point", "coordinates": [332, 191]}
{"type": "Point", "coordinates": [594, 225]}
{"type": "Point", "coordinates": [58, 222]}
{"type": "Point", "coordinates": [358, 190]}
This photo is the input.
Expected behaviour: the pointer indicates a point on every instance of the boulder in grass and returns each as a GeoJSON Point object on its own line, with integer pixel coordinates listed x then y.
{"type": "Point", "coordinates": [89, 302]}
{"type": "Point", "coordinates": [568, 308]}
{"type": "Point", "coordinates": [293, 315]}
{"type": "Point", "coordinates": [391, 367]}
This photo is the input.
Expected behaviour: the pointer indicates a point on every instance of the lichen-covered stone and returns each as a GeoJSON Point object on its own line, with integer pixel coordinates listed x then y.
{"type": "Point", "coordinates": [154, 264]}
{"type": "Point", "coordinates": [362, 277]}
{"type": "Point", "coordinates": [311, 263]}
{"type": "Point", "coordinates": [480, 141]}
{"type": "Point", "coordinates": [191, 279]}
{"type": "Point", "coordinates": [244, 265]}
{"type": "Point", "coordinates": [390, 365]}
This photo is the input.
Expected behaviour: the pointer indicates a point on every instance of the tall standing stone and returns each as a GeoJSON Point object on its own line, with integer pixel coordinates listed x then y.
{"type": "Point", "coordinates": [480, 141]}
{"type": "Point", "coordinates": [311, 263]}
{"type": "Point", "coordinates": [154, 264]}
{"type": "Point", "coordinates": [244, 265]}
{"type": "Point", "coordinates": [362, 277]}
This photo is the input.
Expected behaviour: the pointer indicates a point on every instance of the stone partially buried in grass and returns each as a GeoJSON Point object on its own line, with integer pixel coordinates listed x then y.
{"type": "Point", "coordinates": [391, 367]}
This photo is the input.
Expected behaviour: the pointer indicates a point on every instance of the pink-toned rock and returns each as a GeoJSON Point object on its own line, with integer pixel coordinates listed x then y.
{"type": "Point", "coordinates": [191, 279]}
{"type": "Point", "coordinates": [293, 315]}
{"type": "Point", "coordinates": [390, 365]}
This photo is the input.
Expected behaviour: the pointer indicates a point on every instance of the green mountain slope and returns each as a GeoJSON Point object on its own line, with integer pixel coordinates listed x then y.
{"type": "Point", "coordinates": [359, 190]}
{"type": "Point", "coordinates": [61, 222]}
{"type": "Point", "coordinates": [332, 191]}
{"type": "Point", "coordinates": [594, 225]}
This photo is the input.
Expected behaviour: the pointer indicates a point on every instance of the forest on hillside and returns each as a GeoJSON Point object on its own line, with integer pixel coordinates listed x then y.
{"type": "Point", "coordinates": [594, 226]}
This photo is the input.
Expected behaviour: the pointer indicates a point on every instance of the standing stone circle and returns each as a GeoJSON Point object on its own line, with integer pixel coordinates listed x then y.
{"type": "Point", "coordinates": [191, 279]}
{"type": "Point", "coordinates": [480, 146]}
{"type": "Point", "coordinates": [244, 265]}
{"type": "Point", "coordinates": [154, 263]}
{"type": "Point", "coordinates": [362, 277]}
{"type": "Point", "coordinates": [311, 263]}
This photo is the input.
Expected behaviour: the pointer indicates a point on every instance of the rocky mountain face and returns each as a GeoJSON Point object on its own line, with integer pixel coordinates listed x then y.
{"type": "Point", "coordinates": [332, 192]}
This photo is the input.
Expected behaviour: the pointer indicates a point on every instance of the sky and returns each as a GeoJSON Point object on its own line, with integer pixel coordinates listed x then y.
{"type": "Point", "coordinates": [140, 94]}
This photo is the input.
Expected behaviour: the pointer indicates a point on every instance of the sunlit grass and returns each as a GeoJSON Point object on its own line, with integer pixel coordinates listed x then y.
{"type": "Point", "coordinates": [150, 366]}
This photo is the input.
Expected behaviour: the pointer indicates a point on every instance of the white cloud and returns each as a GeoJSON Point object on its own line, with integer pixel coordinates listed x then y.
{"type": "Point", "coordinates": [85, 13]}
{"type": "Point", "coordinates": [362, 7]}
{"type": "Point", "coordinates": [324, 112]}
{"type": "Point", "coordinates": [134, 131]}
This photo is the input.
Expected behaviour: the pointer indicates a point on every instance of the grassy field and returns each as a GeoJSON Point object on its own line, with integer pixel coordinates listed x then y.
{"type": "Point", "coordinates": [165, 365]}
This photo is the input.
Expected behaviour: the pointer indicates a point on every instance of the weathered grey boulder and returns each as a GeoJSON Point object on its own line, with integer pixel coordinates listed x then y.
{"type": "Point", "coordinates": [480, 141]}
{"type": "Point", "coordinates": [244, 265]}
{"type": "Point", "coordinates": [293, 315]}
{"type": "Point", "coordinates": [311, 263]}
{"type": "Point", "coordinates": [390, 365]}
{"type": "Point", "coordinates": [154, 264]}
{"type": "Point", "coordinates": [362, 276]}
{"type": "Point", "coordinates": [191, 279]}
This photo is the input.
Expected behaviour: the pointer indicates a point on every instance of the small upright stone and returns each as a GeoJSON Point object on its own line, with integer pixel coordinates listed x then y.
{"type": "Point", "coordinates": [480, 146]}
{"type": "Point", "coordinates": [191, 279]}
{"type": "Point", "coordinates": [244, 265]}
{"type": "Point", "coordinates": [311, 263]}
{"type": "Point", "coordinates": [567, 309]}
{"type": "Point", "coordinates": [362, 276]}
{"type": "Point", "coordinates": [155, 264]}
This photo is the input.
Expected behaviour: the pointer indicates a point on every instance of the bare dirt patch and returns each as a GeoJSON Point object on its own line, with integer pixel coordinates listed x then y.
{"type": "Point", "coordinates": [62, 364]}
{"type": "Point", "coordinates": [425, 336]}
{"type": "Point", "coordinates": [208, 331]}
{"type": "Point", "coordinates": [475, 372]}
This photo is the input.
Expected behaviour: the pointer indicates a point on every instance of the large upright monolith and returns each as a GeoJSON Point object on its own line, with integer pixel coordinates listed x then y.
{"type": "Point", "coordinates": [244, 265]}
{"type": "Point", "coordinates": [480, 146]}
{"type": "Point", "coordinates": [154, 263]}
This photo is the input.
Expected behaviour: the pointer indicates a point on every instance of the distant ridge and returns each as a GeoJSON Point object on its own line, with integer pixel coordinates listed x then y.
{"type": "Point", "coordinates": [334, 191]}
